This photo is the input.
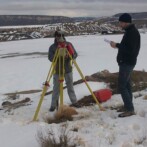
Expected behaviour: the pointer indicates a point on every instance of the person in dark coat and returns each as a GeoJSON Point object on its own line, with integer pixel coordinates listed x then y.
{"type": "Point", "coordinates": [128, 50]}
{"type": "Point", "coordinates": [68, 75]}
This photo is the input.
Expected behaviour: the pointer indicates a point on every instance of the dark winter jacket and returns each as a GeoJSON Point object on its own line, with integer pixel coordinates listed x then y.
{"type": "Point", "coordinates": [129, 47]}
{"type": "Point", "coordinates": [67, 60]}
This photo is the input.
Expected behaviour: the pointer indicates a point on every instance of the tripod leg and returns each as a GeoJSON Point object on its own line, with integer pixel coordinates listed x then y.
{"type": "Point", "coordinates": [53, 65]}
{"type": "Point", "coordinates": [61, 93]}
{"type": "Point", "coordinates": [82, 76]}
{"type": "Point", "coordinates": [40, 102]}
{"type": "Point", "coordinates": [50, 73]}
{"type": "Point", "coordinates": [61, 73]}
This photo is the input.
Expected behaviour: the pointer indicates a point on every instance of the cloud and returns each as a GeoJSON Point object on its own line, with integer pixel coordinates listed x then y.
{"type": "Point", "coordinates": [71, 8]}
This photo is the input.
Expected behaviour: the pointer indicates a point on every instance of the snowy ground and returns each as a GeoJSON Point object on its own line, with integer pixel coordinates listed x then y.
{"type": "Point", "coordinates": [21, 70]}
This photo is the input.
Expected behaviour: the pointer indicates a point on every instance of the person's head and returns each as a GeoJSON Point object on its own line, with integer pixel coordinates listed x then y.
{"type": "Point", "coordinates": [125, 20]}
{"type": "Point", "coordinates": [59, 36]}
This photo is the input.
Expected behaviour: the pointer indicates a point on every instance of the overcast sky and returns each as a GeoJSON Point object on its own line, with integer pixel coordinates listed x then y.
{"type": "Point", "coordinates": [71, 8]}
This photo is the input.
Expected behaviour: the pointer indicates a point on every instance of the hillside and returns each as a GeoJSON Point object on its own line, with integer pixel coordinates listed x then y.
{"type": "Point", "coordinates": [32, 27]}
{"type": "Point", "coordinates": [141, 15]}
{"type": "Point", "coordinates": [17, 20]}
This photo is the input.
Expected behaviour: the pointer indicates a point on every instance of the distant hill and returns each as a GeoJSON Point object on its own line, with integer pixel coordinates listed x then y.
{"type": "Point", "coordinates": [139, 15]}
{"type": "Point", "coordinates": [18, 20]}
{"type": "Point", "coordinates": [140, 19]}
{"type": "Point", "coordinates": [83, 19]}
{"type": "Point", "coordinates": [28, 25]}
{"type": "Point", "coordinates": [15, 20]}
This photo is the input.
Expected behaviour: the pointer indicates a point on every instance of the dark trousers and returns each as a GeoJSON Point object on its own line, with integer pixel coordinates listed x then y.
{"type": "Point", "coordinates": [124, 85]}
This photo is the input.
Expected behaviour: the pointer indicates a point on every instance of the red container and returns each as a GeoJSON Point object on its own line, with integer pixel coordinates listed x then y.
{"type": "Point", "coordinates": [103, 95]}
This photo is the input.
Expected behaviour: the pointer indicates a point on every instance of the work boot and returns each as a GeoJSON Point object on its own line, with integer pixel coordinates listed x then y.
{"type": "Point", "coordinates": [126, 113]}
{"type": "Point", "coordinates": [121, 109]}
{"type": "Point", "coordinates": [52, 109]}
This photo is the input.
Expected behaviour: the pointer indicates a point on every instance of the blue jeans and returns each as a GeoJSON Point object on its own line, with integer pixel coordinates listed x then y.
{"type": "Point", "coordinates": [124, 85]}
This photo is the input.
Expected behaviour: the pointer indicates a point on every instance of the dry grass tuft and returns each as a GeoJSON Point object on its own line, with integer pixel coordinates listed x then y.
{"type": "Point", "coordinates": [63, 114]}
{"type": "Point", "coordinates": [52, 139]}
{"type": "Point", "coordinates": [145, 97]}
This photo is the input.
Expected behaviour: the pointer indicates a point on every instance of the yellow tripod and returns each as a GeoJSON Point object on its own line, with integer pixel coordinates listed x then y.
{"type": "Point", "coordinates": [60, 57]}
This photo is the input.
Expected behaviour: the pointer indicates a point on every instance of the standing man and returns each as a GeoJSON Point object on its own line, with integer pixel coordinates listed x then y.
{"type": "Point", "coordinates": [128, 50]}
{"type": "Point", "coordinates": [68, 75]}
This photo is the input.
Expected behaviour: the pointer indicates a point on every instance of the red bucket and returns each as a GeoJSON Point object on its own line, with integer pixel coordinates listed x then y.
{"type": "Point", "coordinates": [103, 95]}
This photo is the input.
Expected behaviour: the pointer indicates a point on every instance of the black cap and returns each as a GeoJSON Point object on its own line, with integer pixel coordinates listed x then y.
{"type": "Point", "coordinates": [125, 18]}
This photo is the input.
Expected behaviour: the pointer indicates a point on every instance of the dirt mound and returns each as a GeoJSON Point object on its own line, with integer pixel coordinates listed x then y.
{"type": "Point", "coordinates": [139, 82]}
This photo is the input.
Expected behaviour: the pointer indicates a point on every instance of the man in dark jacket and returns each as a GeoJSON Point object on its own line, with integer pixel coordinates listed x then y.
{"type": "Point", "coordinates": [68, 75]}
{"type": "Point", "coordinates": [128, 50]}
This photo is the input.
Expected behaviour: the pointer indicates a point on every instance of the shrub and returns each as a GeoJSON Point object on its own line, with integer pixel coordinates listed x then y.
{"type": "Point", "coordinates": [63, 114]}
{"type": "Point", "coordinates": [63, 139]}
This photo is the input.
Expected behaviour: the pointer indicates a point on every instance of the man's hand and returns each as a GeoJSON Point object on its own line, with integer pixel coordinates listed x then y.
{"type": "Point", "coordinates": [113, 44]}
